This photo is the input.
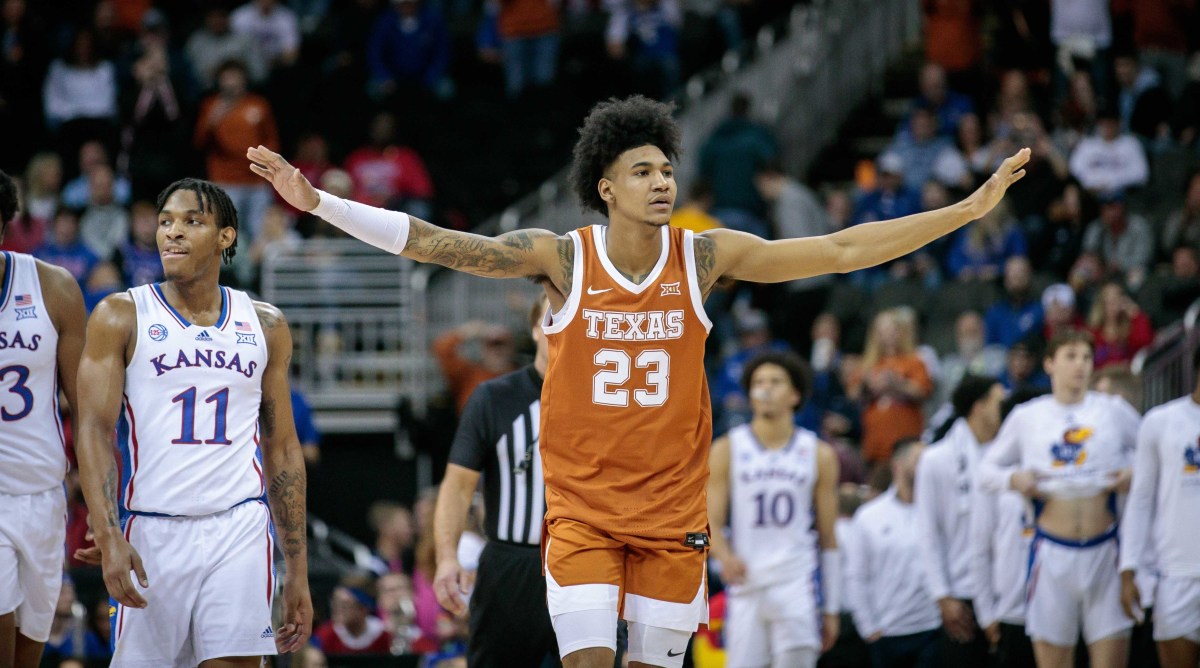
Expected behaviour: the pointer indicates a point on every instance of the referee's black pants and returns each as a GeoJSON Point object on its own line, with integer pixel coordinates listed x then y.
{"type": "Point", "coordinates": [509, 623]}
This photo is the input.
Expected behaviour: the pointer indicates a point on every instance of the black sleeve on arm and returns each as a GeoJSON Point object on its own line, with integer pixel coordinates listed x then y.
{"type": "Point", "coordinates": [473, 442]}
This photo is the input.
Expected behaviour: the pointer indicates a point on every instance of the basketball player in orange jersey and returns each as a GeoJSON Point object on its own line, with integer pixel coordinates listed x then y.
{"type": "Point", "coordinates": [625, 417]}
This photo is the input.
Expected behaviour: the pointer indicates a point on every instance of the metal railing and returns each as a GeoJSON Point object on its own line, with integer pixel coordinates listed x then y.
{"type": "Point", "coordinates": [359, 343]}
{"type": "Point", "coordinates": [805, 83]}
{"type": "Point", "coordinates": [1165, 366]}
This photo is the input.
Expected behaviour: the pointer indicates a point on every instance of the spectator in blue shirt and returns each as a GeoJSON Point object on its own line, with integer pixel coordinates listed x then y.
{"type": "Point", "coordinates": [306, 429]}
{"type": "Point", "coordinates": [647, 32]}
{"type": "Point", "coordinates": [409, 46]}
{"type": "Point", "coordinates": [980, 250]}
{"type": "Point", "coordinates": [1018, 312]}
{"type": "Point", "coordinates": [138, 256]}
{"type": "Point", "coordinates": [948, 106]}
{"type": "Point", "coordinates": [890, 198]}
{"type": "Point", "coordinates": [63, 247]}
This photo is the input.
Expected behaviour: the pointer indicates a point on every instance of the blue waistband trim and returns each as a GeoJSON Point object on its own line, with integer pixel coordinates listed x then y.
{"type": "Point", "coordinates": [1108, 535]}
{"type": "Point", "coordinates": [142, 513]}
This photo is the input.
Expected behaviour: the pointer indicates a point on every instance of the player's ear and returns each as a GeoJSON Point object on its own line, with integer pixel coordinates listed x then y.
{"type": "Point", "coordinates": [604, 187]}
{"type": "Point", "coordinates": [227, 237]}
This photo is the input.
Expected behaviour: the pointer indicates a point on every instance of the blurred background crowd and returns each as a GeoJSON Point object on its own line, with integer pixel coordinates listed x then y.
{"type": "Point", "coordinates": [451, 109]}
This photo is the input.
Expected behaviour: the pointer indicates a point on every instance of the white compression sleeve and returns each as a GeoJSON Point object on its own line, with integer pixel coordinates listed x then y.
{"type": "Point", "coordinates": [831, 581]}
{"type": "Point", "coordinates": [387, 230]}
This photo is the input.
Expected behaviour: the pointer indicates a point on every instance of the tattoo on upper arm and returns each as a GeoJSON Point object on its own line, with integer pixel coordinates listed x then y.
{"type": "Point", "coordinates": [268, 316]}
{"type": "Point", "coordinates": [287, 492]}
{"type": "Point", "coordinates": [706, 257]}
{"type": "Point", "coordinates": [566, 261]}
{"type": "Point", "coordinates": [266, 417]}
{"type": "Point", "coordinates": [520, 240]}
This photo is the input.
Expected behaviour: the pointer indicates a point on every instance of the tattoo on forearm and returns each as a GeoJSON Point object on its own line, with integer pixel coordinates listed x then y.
{"type": "Point", "coordinates": [566, 261]}
{"type": "Point", "coordinates": [469, 253]}
{"type": "Point", "coordinates": [706, 257]}
{"type": "Point", "coordinates": [110, 496]}
{"type": "Point", "coordinates": [286, 495]}
{"type": "Point", "coordinates": [266, 417]}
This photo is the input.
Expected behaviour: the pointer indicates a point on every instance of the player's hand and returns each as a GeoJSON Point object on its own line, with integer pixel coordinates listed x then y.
{"type": "Point", "coordinates": [291, 185]}
{"type": "Point", "coordinates": [89, 555]}
{"type": "Point", "coordinates": [993, 634]}
{"type": "Point", "coordinates": [1024, 482]}
{"type": "Point", "coordinates": [874, 637]}
{"type": "Point", "coordinates": [957, 619]}
{"type": "Point", "coordinates": [118, 558]}
{"type": "Point", "coordinates": [297, 615]}
{"type": "Point", "coordinates": [830, 630]}
{"type": "Point", "coordinates": [990, 193]}
{"type": "Point", "coordinates": [733, 570]}
{"type": "Point", "coordinates": [451, 584]}
{"type": "Point", "coordinates": [1131, 598]}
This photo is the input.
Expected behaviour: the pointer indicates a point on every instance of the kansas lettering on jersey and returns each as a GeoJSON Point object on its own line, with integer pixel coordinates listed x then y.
{"type": "Point", "coordinates": [32, 449]}
{"type": "Point", "coordinates": [189, 426]}
{"type": "Point", "coordinates": [771, 511]}
{"type": "Point", "coordinates": [626, 419]}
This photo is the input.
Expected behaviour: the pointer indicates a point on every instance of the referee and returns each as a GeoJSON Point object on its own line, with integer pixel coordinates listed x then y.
{"type": "Point", "coordinates": [498, 439]}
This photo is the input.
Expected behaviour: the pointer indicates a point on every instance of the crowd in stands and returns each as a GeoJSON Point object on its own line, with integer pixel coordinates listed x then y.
{"type": "Point", "coordinates": [435, 107]}
{"type": "Point", "coordinates": [1103, 233]}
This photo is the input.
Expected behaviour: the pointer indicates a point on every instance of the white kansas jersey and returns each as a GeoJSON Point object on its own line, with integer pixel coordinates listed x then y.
{"type": "Point", "coordinates": [1166, 491]}
{"type": "Point", "coordinates": [189, 430]}
{"type": "Point", "coordinates": [772, 516]}
{"type": "Point", "coordinates": [33, 454]}
{"type": "Point", "coordinates": [1076, 449]}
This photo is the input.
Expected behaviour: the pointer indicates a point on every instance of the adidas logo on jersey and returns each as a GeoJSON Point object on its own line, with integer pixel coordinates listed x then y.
{"type": "Point", "coordinates": [203, 336]}
{"type": "Point", "coordinates": [638, 326]}
{"type": "Point", "coordinates": [268, 633]}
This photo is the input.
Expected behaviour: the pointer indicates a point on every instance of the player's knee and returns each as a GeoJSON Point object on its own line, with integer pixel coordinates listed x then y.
{"type": "Point", "coordinates": [585, 629]}
{"type": "Point", "coordinates": [657, 646]}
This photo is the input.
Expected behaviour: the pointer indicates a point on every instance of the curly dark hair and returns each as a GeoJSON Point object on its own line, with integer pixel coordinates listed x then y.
{"type": "Point", "coordinates": [798, 371]}
{"type": "Point", "coordinates": [213, 199]}
{"type": "Point", "coordinates": [611, 128]}
{"type": "Point", "coordinates": [8, 200]}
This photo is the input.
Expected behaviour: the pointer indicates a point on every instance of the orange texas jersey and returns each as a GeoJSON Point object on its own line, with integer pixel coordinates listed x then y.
{"type": "Point", "coordinates": [626, 419]}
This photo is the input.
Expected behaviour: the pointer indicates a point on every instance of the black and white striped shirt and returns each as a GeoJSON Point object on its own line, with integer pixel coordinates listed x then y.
{"type": "Point", "coordinates": [498, 436]}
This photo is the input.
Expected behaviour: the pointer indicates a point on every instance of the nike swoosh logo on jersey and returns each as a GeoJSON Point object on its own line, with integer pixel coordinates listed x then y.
{"type": "Point", "coordinates": [674, 654]}
{"type": "Point", "coordinates": [596, 292]}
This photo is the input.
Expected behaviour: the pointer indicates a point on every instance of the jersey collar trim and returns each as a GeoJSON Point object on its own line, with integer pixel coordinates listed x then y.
{"type": "Point", "coordinates": [599, 234]}
{"type": "Point", "coordinates": [156, 290]}
{"type": "Point", "coordinates": [6, 289]}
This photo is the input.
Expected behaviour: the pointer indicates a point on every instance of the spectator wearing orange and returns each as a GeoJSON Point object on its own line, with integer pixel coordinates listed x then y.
{"type": "Point", "coordinates": [464, 374]}
{"type": "Point", "coordinates": [892, 385]}
{"type": "Point", "coordinates": [694, 215]}
{"type": "Point", "coordinates": [231, 120]}
{"type": "Point", "coordinates": [1119, 327]}
{"type": "Point", "coordinates": [529, 39]}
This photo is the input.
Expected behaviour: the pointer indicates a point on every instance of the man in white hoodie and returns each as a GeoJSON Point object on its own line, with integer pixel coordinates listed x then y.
{"type": "Point", "coordinates": [943, 495]}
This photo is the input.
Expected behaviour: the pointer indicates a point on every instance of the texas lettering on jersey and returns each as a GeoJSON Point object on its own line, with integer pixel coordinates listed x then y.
{"type": "Point", "coordinates": [638, 326]}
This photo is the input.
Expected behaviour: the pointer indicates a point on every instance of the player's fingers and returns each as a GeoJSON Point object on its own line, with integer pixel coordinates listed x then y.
{"type": "Point", "coordinates": [466, 581]}
{"type": "Point", "coordinates": [140, 570]}
{"type": "Point", "coordinates": [261, 171]}
{"type": "Point", "coordinates": [1017, 176]}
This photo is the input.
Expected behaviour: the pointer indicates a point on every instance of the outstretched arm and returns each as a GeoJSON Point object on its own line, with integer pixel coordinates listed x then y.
{"type": "Point", "coordinates": [519, 254]}
{"type": "Point", "coordinates": [283, 465]}
{"type": "Point", "coordinates": [728, 253]}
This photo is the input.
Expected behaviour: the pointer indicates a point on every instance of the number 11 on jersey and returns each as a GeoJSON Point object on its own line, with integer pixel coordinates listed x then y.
{"type": "Point", "coordinates": [187, 435]}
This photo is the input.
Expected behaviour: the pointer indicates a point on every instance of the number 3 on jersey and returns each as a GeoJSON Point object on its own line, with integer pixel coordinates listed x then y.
{"type": "Point", "coordinates": [607, 384]}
